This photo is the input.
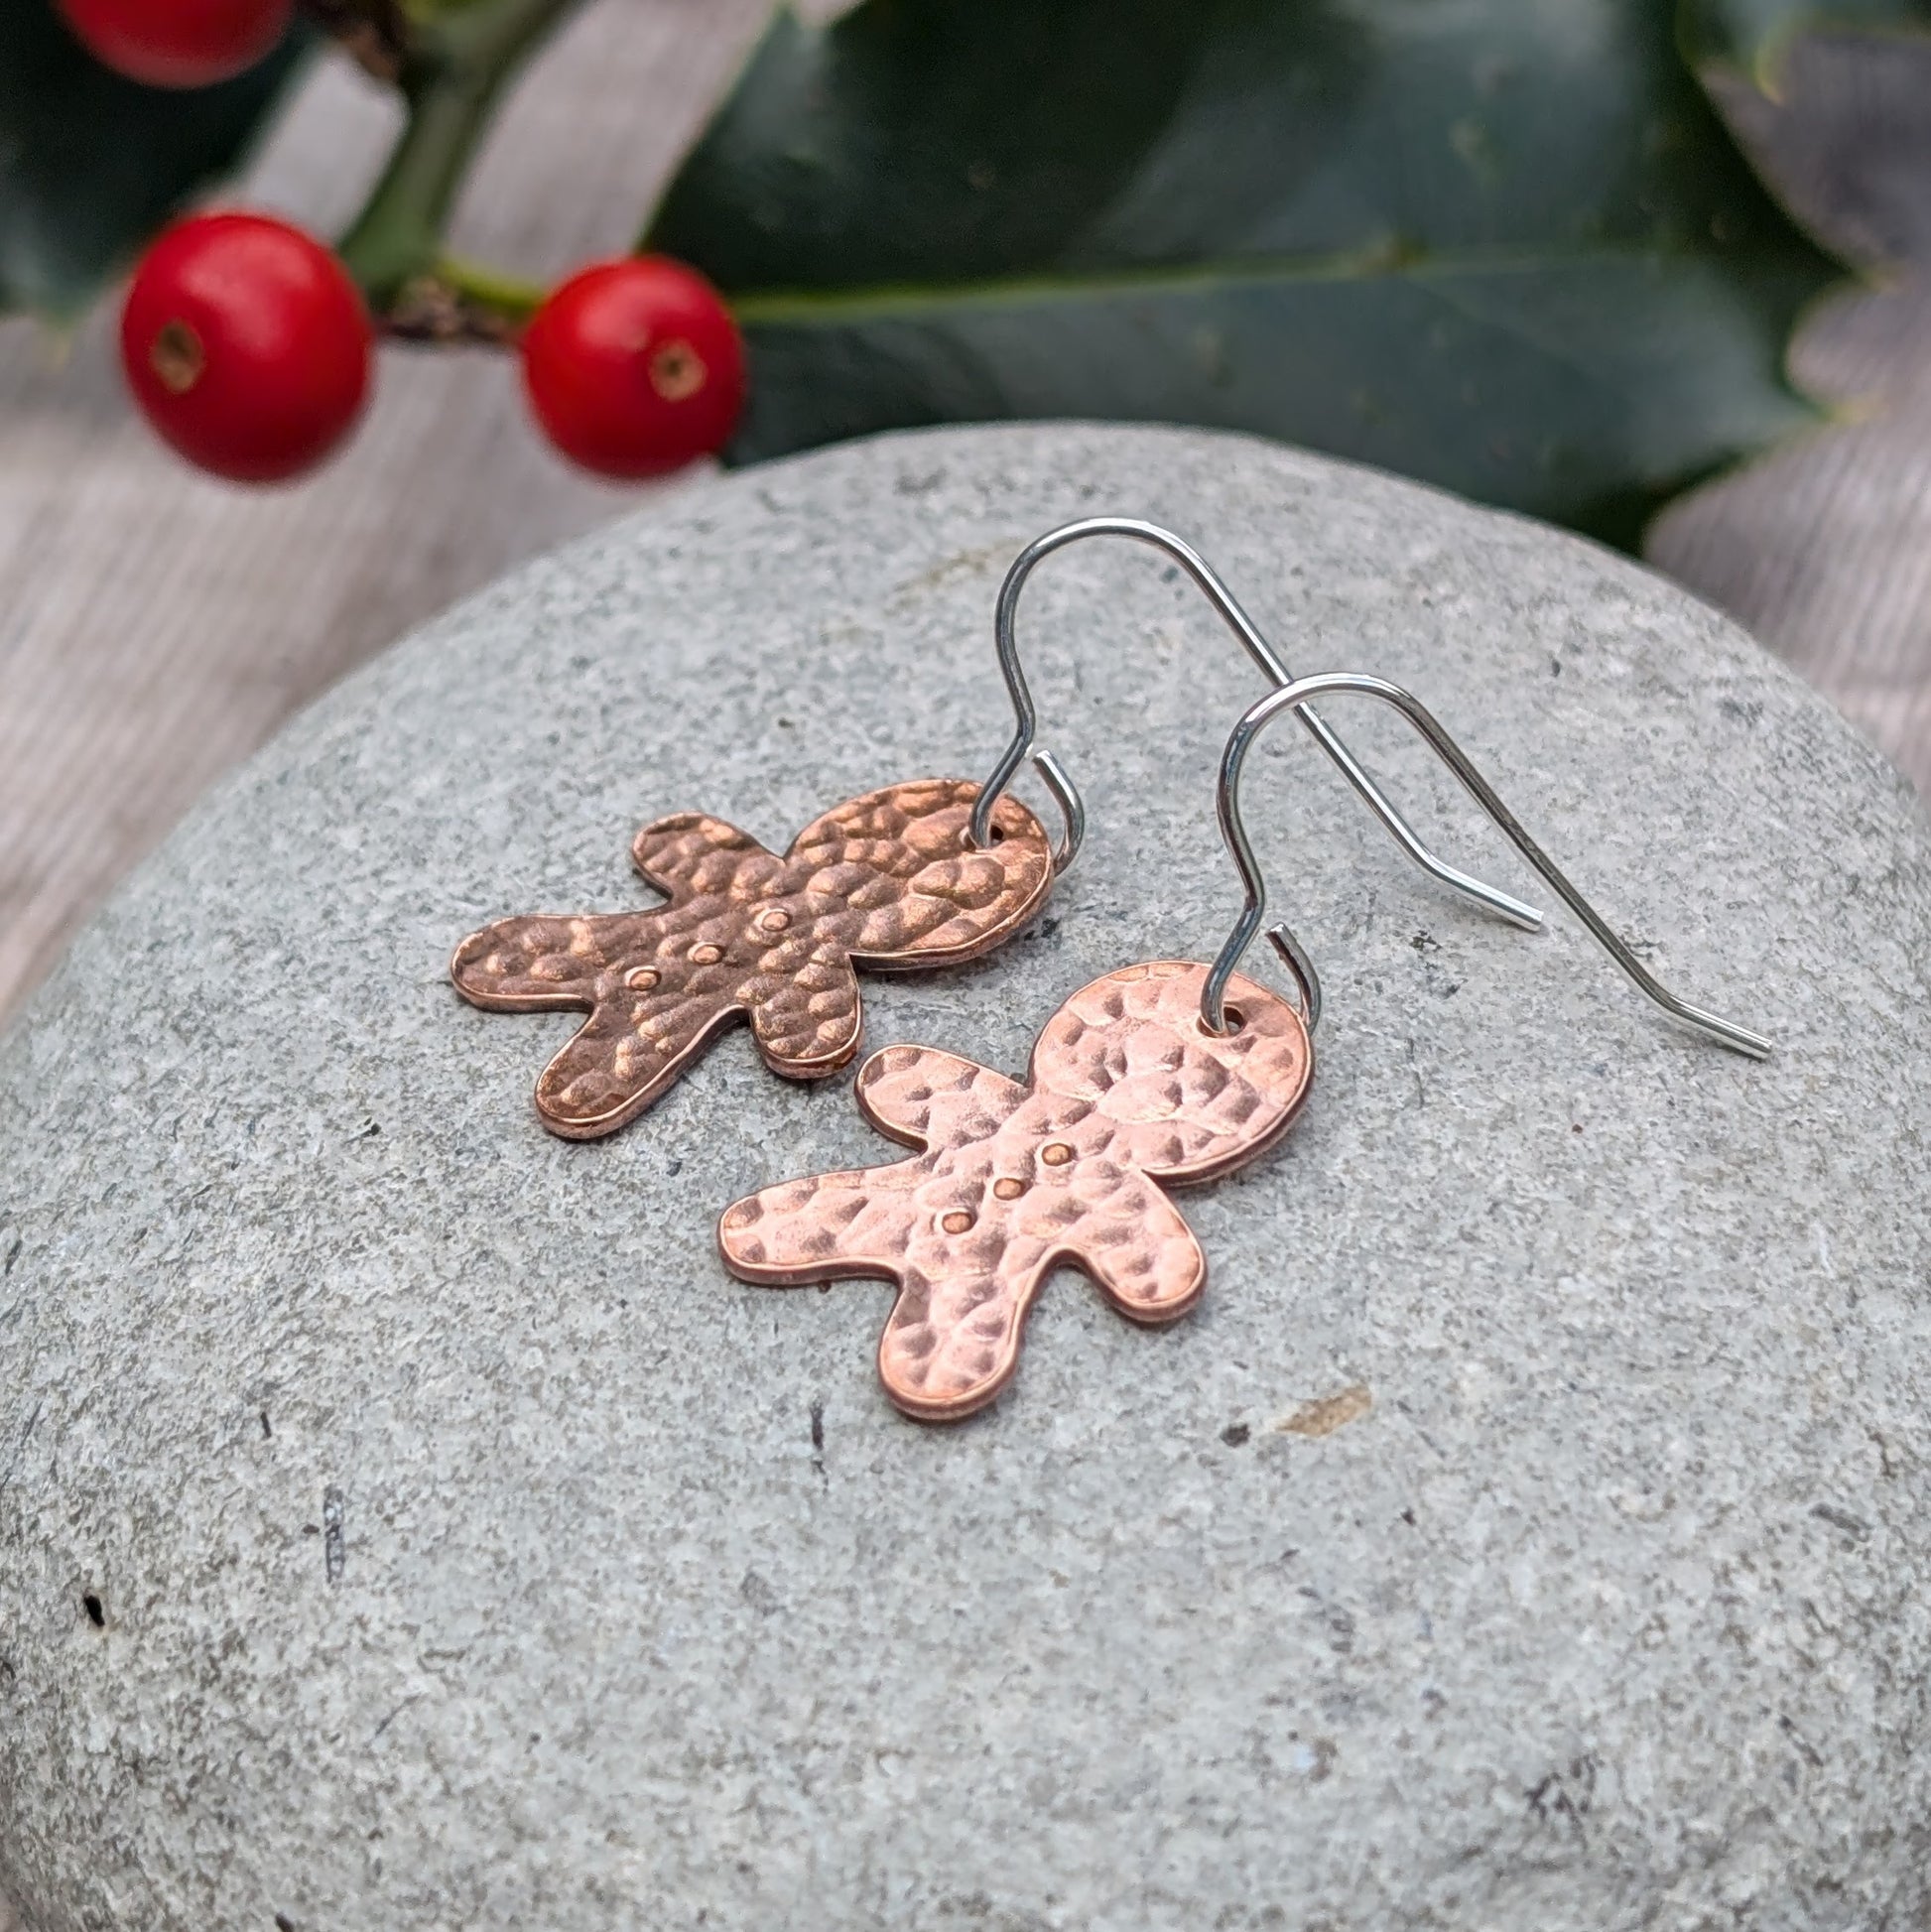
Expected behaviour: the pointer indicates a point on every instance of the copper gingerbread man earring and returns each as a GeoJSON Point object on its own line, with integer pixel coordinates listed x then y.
{"type": "Point", "coordinates": [886, 880]}
{"type": "Point", "coordinates": [1155, 1075]}
{"type": "Point", "coordinates": [930, 873]}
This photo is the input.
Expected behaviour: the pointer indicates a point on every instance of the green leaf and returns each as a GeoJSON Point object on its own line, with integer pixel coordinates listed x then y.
{"type": "Point", "coordinates": [1503, 246]}
{"type": "Point", "coordinates": [90, 165]}
{"type": "Point", "coordinates": [1752, 35]}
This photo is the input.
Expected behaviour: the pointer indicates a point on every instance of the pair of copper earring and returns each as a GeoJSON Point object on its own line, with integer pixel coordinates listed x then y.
{"type": "Point", "coordinates": [1160, 1074]}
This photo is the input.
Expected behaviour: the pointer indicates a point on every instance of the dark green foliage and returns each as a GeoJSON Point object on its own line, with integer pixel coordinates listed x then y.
{"type": "Point", "coordinates": [1503, 246]}
{"type": "Point", "coordinates": [90, 165]}
{"type": "Point", "coordinates": [1752, 34]}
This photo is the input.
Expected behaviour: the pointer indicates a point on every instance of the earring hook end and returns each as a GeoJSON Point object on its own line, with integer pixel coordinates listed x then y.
{"type": "Point", "coordinates": [1295, 956]}
{"type": "Point", "coordinates": [1073, 808]}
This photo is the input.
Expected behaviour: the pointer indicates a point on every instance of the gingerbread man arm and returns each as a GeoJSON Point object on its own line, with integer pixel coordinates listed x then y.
{"type": "Point", "coordinates": [541, 962]}
{"type": "Point", "coordinates": [824, 1228]}
{"type": "Point", "coordinates": [926, 1096]}
{"type": "Point", "coordinates": [692, 856]}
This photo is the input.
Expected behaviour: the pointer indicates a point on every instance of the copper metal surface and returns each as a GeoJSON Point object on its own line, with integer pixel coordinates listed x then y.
{"type": "Point", "coordinates": [1125, 1089]}
{"type": "Point", "coordinates": [885, 881]}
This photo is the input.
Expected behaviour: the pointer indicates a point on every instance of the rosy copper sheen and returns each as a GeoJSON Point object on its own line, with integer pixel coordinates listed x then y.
{"type": "Point", "coordinates": [1127, 1094]}
{"type": "Point", "coordinates": [886, 880]}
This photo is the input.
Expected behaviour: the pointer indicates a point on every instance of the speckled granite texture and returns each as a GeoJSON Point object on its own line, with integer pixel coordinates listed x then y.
{"type": "Point", "coordinates": [406, 1524]}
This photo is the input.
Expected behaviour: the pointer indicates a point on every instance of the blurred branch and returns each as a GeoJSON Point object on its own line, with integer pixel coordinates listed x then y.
{"type": "Point", "coordinates": [375, 34]}
{"type": "Point", "coordinates": [462, 302]}
{"type": "Point", "coordinates": [453, 67]}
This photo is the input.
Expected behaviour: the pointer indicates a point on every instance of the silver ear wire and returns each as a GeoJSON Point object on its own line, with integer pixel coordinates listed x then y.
{"type": "Point", "coordinates": [1294, 955]}
{"type": "Point", "coordinates": [1073, 808]}
{"type": "Point", "coordinates": [1026, 718]}
{"type": "Point", "coordinates": [1294, 696]}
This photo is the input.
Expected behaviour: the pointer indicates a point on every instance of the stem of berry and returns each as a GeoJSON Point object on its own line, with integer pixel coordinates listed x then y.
{"type": "Point", "coordinates": [374, 34]}
{"type": "Point", "coordinates": [454, 65]}
{"type": "Point", "coordinates": [460, 300]}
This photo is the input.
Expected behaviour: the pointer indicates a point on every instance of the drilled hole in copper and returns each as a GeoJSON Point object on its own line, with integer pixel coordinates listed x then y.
{"type": "Point", "coordinates": [706, 954]}
{"type": "Point", "coordinates": [1055, 1153]}
{"type": "Point", "coordinates": [642, 980]}
{"type": "Point", "coordinates": [1007, 1189]}
{"type": "Point", "coordinates": [957, 1222]}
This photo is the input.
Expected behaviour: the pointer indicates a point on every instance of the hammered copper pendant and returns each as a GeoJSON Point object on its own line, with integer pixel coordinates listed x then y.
{"type": "Point", "coordinates": [1127, 1095]}
{"type": "Point", "coordinates": [886, 880]}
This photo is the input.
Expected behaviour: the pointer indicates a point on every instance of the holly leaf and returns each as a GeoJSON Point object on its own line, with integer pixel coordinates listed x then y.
{"type": "Point", "coordinates": [1505, 247]}
{"type": "Point", "coordinates": [1752, 35]}
{"type": "Point", "coordinates": [90, 165]}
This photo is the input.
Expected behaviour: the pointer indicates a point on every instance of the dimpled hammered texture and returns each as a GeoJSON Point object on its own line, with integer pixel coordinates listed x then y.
{"type": "Point", "coordinates": [1126, 1089]}
{"type": "Point", "coordinates": [884, 881]}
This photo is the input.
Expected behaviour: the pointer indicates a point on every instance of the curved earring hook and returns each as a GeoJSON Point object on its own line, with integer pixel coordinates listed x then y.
{"type": "Point", "coordinates": [1026, 718]}
{"type": "Point", "coordinates": [1255, 719]}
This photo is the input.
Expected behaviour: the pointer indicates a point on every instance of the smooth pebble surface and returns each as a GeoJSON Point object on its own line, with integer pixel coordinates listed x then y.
{"type": "Point", "coordinates": [406, 1524]}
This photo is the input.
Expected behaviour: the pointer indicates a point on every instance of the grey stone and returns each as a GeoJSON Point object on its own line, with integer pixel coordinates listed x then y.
{"type": "Point", "coordinates": [404, 1523]}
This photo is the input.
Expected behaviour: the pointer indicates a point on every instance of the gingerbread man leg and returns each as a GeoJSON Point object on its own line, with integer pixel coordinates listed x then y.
{"type": "Point", "coordinates": [951, 1340]}
{"type": "Point", "coordinates": [646, 1022]}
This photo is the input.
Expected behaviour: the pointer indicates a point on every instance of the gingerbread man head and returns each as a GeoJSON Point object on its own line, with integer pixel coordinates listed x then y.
{"type": "Point", "coordinates": [886, 880]}
{"type": "Point", "coordinates": [1127, 1094]}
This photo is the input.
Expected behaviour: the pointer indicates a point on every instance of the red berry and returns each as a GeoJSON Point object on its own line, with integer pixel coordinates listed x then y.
{"type": "Point", "coordinates": [634, 367]}
{"type": "Point", "coordinates": [179, 42]}
{"type": "Point", "coordinates": [246, 345]}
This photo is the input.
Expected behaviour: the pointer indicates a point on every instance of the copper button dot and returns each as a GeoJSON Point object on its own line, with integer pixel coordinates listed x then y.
{"type": "Point", "coordinates": [1008, 1189]}
{"type": "Point", "coordinates": [706, 954]}
{"type": "Point", "coordinates": [773, 920]}
{"type": "Point", "coordinates": [957, 1222]}
{"type": "Point", "coordinates": [643, 980]}
{"type": "Point", "coordinates": [1055, 1153]}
